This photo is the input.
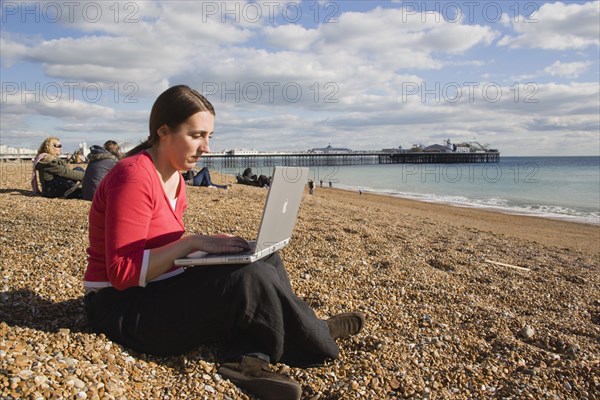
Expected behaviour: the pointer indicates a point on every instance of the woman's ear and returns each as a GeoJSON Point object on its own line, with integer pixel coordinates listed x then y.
{"type": "Point", "coordinates": [162, 131]}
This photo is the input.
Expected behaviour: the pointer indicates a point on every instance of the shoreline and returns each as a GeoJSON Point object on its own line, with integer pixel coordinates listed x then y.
{"type": "Point", "coordinates": [577, 235]}
{"type": "Point", "coordinates": [509, 195]}
{"type": "Point", "coordinates": [486, 207]}
{"type": "Point", "coordinates": [581, 236]}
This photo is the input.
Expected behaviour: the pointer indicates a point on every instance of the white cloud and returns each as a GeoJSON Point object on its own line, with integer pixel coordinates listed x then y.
{"type": "Point", "coordinates": [557, 26]}
{"type": "Point", "coordinates": [12, 49]}
{"type": "Point", "coordinates": [63, 108]}
{"type": "Point", "coordinates": [364, 121]}
{"type": "Point", "coordinates": [514, 124]}
{"type": "Point", "coordinates": [568, 69]}
{"type": "Point", "coordinates": [290, 37]}
{"type": "Point", "coordinates": [407, 36]}
{"type": "Point", "coordinates": [174, 40]}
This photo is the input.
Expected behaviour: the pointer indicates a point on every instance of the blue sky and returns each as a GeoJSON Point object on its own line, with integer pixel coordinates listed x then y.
{"type": "Point", "coordinates": [287, 75]}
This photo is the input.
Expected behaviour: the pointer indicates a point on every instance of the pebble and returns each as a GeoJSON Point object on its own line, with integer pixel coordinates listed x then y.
{"type": "Point", "coordinates": [573, 349]}
{"type": "Point", "coordinates": [209, 389]}
{"type": "Point", "coordinates": [78, 383]}
{"type": "Point", "coordinates": [527, 332]}
{"type": "Point", "coordinates": [40, 380]}
{"type": "Point", "coordinates": [21, 361]}
{"type": "Point", "coordinates": [71, 362]}
{"type": "Point", "coordinates": [374, 383]}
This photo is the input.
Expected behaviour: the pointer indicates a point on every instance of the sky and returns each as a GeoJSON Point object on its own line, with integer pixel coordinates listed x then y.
{"type": "Point", "coordinates": [521, 76]}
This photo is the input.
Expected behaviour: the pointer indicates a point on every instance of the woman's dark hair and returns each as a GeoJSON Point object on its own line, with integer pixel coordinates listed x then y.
{"type": "Point", "coordinates": [172, 107]}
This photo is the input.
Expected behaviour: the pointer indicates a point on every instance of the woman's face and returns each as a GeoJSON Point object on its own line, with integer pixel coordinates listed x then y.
{"type": "Point", "coordinates": [189, 141]}
{"type": "Point", "coordinates": [55, 148]}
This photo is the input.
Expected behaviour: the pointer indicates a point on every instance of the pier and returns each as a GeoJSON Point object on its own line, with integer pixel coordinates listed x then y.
{"type": "Point", "coordinates": [323, 159]}
{"type": "Point", "coordinates": [338, 159]}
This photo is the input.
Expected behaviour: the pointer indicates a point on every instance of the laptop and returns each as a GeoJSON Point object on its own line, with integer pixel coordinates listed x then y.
{"type": "Point", "coordinates": [276, 225]}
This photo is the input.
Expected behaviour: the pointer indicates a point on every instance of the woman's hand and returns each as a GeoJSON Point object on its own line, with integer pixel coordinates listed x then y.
{"type": "Point", "coordinates": [221, 243]}
{"type": "Point", "coordinates": [161, 258]}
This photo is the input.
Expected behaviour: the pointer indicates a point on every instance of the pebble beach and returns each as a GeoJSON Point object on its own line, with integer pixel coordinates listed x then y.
{"type": "Point", "coordinates": [460, 303]}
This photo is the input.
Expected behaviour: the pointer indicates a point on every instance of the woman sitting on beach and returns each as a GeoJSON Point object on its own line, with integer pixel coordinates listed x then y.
{"type": "Point", "coordinates": [137, 297]}
{"type": "Point", "coordinates": [55, 175]}
{"type": "Point", "coordinates": [101, 160]}
{"type": "Point", "coordinates": [202, 178]}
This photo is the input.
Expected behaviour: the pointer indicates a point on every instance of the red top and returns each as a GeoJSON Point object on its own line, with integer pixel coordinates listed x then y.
{"type": "Point", "coordinates": [130, 213]}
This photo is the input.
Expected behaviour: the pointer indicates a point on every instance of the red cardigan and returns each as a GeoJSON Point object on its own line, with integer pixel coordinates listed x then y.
{"type": "Point", "coordinates": [130, 214]}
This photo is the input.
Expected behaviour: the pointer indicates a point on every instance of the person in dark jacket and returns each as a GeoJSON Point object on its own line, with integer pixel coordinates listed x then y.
{"type": "Point", "coordinates": [201, 178]}
{"type": "Point", "coordinates": [250, 179]}
{"type": "Point", "coordinates": [101, 160]}
{"type": "Point", "coordinates": [57, 179]}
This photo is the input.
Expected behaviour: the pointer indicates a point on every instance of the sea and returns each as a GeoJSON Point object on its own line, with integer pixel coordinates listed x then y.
{"type": "Point", "coordinates": [566, 188]}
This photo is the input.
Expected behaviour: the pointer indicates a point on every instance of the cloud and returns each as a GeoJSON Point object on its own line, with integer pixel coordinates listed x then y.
{"type": "Point", "coordinates": [157, 45]}
{"type": "Point", "coordinates": [13, 48]}
{"type": "Point", "coordinates": [21, 103]}
{"type": "Point", "coordinates": [557, 26]}
{"type": "Point", "coordinates": [179, 41]}
{"type": "Point", "coordinates": [290, 37]}
{"type": "Point", "coordinates": [363, 62]}
{"type": "Point", "coordinates": [374, 122]}
{"type": "Point", "coordinates": [385, 120]}
{"type": "Point", "coordinates": [407, 37]}
{"type": "Point", "coordinates": [567, 70]}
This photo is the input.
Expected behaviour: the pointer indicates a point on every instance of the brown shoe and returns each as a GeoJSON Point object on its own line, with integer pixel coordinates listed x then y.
{"type": "Point", "coordinates": [254, 375]}
{"type": "Point", "coordinates": [345, 324]}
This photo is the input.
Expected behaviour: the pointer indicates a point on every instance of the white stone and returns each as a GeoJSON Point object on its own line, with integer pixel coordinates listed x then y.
{"type": "Point", "coordinates": [209, 389]}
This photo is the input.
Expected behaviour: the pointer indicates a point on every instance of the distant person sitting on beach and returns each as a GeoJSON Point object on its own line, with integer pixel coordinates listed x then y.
{"type": "Point", "coordinates": [202, 178]}
{"type": "Point", "coordinates": [248, 174]}
{"type": "Point", "coordinates": [248, 178]}
{"type": "Point", "coordinates": [56, 178]}
{"type": "Point", "coordinates": [101, 160]}
{"type": "Point", "coordinates": [137, 296]}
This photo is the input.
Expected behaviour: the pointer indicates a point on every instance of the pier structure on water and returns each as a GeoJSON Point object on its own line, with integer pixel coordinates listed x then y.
{"type": "Point", "coordinates": [337, 159]}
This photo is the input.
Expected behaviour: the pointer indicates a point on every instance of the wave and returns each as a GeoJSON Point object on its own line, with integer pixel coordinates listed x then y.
{"type": "Point", "coordinates": [492, 203]}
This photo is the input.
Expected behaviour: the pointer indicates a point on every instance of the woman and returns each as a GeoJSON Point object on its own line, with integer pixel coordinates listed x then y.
{"type": "Point", "coordinates": [56, 177]}
{"type": "Point", "coordinates": [137, 297]}
{"type": "Point", "coordinates": [101, 160]}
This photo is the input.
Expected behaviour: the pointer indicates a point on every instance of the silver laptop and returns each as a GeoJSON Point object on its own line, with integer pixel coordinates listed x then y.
{"type": "Point", "coordinates": [276, 225]}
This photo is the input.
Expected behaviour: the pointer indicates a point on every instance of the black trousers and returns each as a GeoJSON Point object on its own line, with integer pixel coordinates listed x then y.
{"type": "Point", "coordinates": [244, 308]}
